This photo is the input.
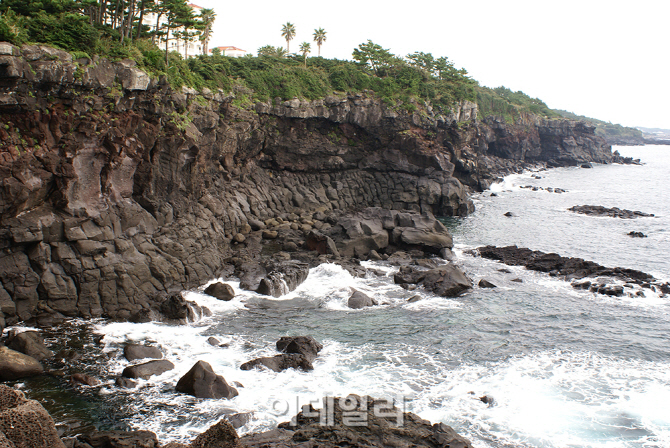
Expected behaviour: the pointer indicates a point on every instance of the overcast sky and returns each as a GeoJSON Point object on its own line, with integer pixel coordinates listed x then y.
{"type": "Point", "coordinates": [606, 59]}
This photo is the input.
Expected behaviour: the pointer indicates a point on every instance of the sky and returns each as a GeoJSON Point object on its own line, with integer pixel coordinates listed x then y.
{"type": "Point", "coordinates": [605, 59]}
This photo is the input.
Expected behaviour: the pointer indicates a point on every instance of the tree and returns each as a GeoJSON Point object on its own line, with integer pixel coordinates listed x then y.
{"type": "Point", "coordinates": [269, 50]}
{"type": "Point", "coordinates": [177, 15]}
{"type": "Point", "coordinates": [373, 55]}
{"type": "Point", "coordinates": [319, 38]}
{"type": "Point", "coordinates": [305, 48]}
{"type": "Point", "coordinates": [207, 17]}
{"type": "Point", "coordinates": [424, 61]}
{"type": "Point", "coordinates": [288, 33]}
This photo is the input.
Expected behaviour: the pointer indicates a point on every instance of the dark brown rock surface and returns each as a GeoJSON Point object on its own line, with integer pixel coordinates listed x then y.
{"type": "Point", "coordinates": [112, 198]}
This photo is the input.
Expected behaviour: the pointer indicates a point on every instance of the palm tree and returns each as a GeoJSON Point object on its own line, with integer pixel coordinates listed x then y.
{"type": "Point", "coordinates": [319, 38]}
{"type": "Point", "coordinates": [288, 33]}
{"type": "Point", "coordinates": [305, 48]}
{"type": "Point", "coordinates": [207, 17]}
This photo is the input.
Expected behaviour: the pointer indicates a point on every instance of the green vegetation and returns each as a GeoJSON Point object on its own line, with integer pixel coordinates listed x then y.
{"type": "Point", "coordinates": [510, 106]}
{"type": "Point", "coordinates": [115, 29]}
{"type": "Point", "coordinates": [609, 131]}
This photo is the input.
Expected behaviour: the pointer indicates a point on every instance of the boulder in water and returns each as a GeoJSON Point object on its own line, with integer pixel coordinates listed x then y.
{"type": "Point", "coordinates": [147, 369]}
{"type": "Point", "coordinates": [15, 365]}
{"type": "Point", "coordinates": [304, 345]}
{"type": "Point", "coordinates": [202, 382]}
{"type": "Point", "coordinates": [483, 283]}
{"type": "Point", "coordinates": [280, 363]}
{"type": "Point", "coordinates": [30, 343]}
{"type": "Point", "coordinates": [134, 352]}
{"type": "Point", "coordinates": [446, 281]}
{"type": "Point", "coordinates": [359, 300]}
{"type": "Point", "coordinates": [220, 290]}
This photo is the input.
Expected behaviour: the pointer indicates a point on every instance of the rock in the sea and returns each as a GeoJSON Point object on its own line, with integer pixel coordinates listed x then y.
{"type": "Point", "coordinates": [222, 291]}
{"type": "Point", "coordinates": [568, 268]}
{"type": "Point", "coordinates": [133, 352]}
{"type": "Point", "coordinates": [321, 243]}
{"type": "Point", "coordinates": [446, 281]}
{"type": "Point", "coordinates": [126, 383]}
{"type": "Point", "coordinates": [614, 212]}
{"type": "Point", "coordinates": [483, 283]}
{"type": "Point", "coordinates": [359, 300]}
{"type": "Point", "coordinates": [275, 278]}
{"type": "Point", "coordinates": [122, 439]}
{"type": "Point", "coordinates": [176, 309]}
{"type": "Point", "coordinates": [280, 363]}
{"type": "Point", "coordinates": [409, 275]}
{"type": "Point", "coordinates": [240, 419]}
{"type": "Point", "coordinates": [82, 378]}
{"type": "Point", "coordinates": [15, 365]}
{"type": "Point", "coordinates": [510, 214]}
{"type": "Point", "coordinates": [413, 299]}
{"type": "Point", "coordinates": [636, 234]}
{"type": "Point", "coordinates": [25, 423]}
{"type": "Point", "coordinates": [202, 382]}
{"type": "Point", "coordinates": [30, 343]}
{"type": "Point", "coordinates": [221, 435]}
{"type": "Point", "coordinates": [304, 345]}
{"type": "Point", "coordinates": [380, 425]}
{"type": "Point", "coordinates": [147, 369]}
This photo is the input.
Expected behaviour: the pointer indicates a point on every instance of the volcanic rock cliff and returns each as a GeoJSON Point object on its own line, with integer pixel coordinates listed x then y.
{"type": "Point", "coordinates": [115, 187]}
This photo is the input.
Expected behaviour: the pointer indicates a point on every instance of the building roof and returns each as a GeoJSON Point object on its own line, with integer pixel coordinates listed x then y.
{"type": "Point", "coordinates": [230, 48]}
{"type": "Point", "coordinates": [194, 6]}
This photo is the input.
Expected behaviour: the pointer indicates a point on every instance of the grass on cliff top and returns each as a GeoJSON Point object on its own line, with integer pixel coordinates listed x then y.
{"type": "Point", "coordinates": [605, 129]}
{"type": "Point", "coordinates": [404, 83]}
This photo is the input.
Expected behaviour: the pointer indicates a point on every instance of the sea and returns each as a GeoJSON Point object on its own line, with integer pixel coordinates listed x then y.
{"type": "Point", "coordinates": [560, 367]}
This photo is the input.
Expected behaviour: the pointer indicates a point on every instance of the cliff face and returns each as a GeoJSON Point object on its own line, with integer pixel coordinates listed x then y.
{"type": "Point", "coordinates": [114, 187]}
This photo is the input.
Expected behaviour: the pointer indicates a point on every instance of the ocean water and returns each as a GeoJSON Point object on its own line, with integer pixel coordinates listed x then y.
{"type": "Point", "coordinates": [566, 368]}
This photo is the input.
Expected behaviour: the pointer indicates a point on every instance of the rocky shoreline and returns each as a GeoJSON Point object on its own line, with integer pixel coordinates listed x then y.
{"type": "Point", "coordinates": [603, 280]}
{"type": "Point", "coordinates": [118, 193]}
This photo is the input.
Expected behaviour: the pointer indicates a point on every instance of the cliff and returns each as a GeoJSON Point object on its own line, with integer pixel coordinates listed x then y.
{"type": "Point", "coordinates": [115, 188]}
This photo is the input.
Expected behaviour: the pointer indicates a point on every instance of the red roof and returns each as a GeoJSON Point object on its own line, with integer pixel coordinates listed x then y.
{"type": "Point", "coordinates": [229, 48]}
{"type": "Point", "coordinates": [193, 5]}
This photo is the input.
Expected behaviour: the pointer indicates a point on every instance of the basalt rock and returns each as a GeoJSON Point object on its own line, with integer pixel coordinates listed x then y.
{"type": "Point", "coordinates": [614, 212]}
{"type": "Point", "coordinates": [147, 369]}
{"type": "Point", "coordinates": [304, 345]}
{"type": "Point", "coordinates": [359, 300]}
{"type": "Point", "coordinates": [30, 343]}
{"type": "Point", "coordinates": [15, 365]}
{"type": "Point", "coordinates": [134, 352]}
{"type": "Point", "coordinates": [380, 424]}
{"type": "Point", "coordinates": [446, 281]}
{"type": "Point", "coordinates": [122, 439]}
{"type": "Point", "coordinates": [279, 363]}
{"type": "Point", "coordinates": [221, 291]}
{"type": "Point", "coordinates": [25, 423]}
{"type": "Point", "coordinates": [202, 382]}
{"type": "Point", "coordinates": [112, 198]}
{"type": "Point", "coordinates": [221, 435]}
{"type": "Point", "coordinates": [273, 278]}
{"type": "Point", "coordinates": [570, 268]}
